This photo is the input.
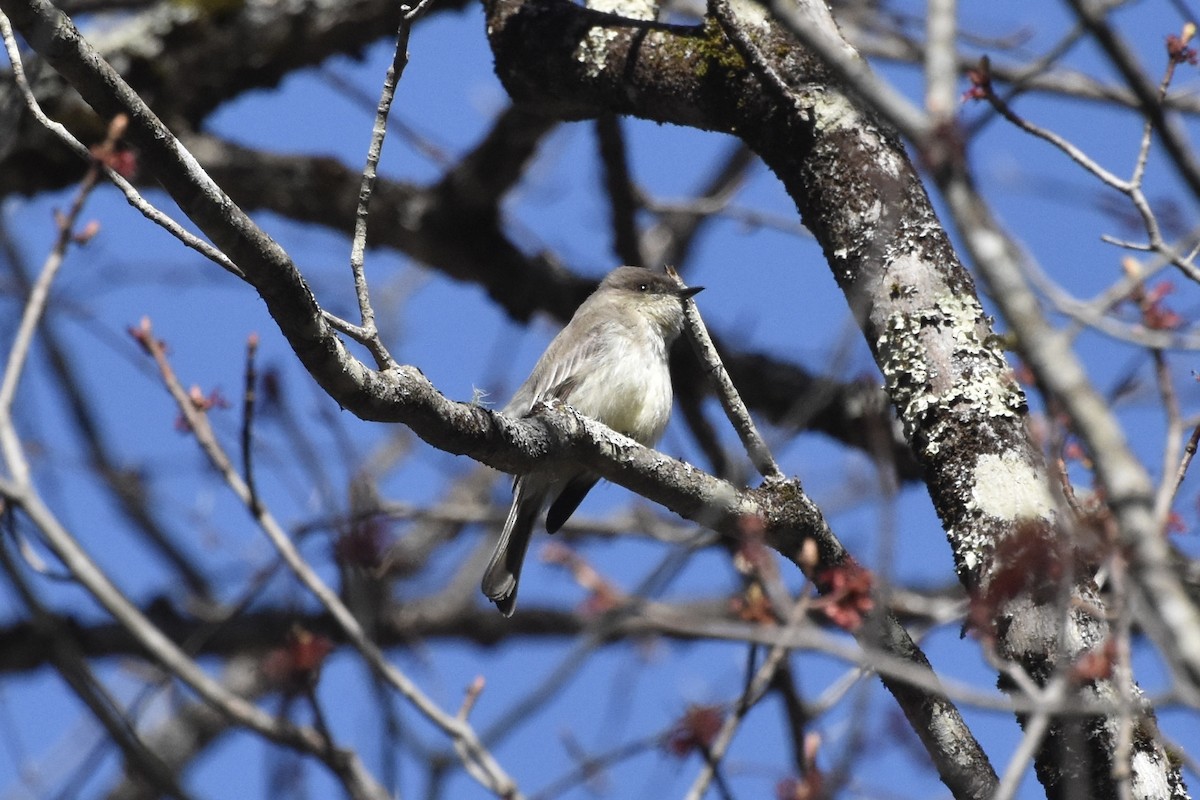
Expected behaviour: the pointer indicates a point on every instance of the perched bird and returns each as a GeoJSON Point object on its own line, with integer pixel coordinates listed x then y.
{"type": "Point", "coordinates": [609, 363]}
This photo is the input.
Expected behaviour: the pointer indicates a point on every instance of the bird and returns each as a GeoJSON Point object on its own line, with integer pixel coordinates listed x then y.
{"type": "Point", "coordinates": [609, 363]}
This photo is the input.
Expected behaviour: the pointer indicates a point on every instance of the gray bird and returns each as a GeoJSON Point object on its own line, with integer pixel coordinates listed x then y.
{"type": "Point", "coordinates": [610, 364]}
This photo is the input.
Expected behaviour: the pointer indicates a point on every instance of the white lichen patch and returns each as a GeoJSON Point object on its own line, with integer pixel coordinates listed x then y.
{"type": "Point", "coordinates": [834, 111]}
{"type": "Point", "coordinates": [749, 13]}
{"type": "Point", "coordinates": [593, 49]}
{"type": "Point", "coordinates": [935, 359]}
{"type": "Point", "coordinates": [1006, 486]}
{"type": "Point", "coordinates": [630, 9]}
{"type": "Point", "coordinates": [1149, 777]}
{"type": "Point", "coordinates": [970, 543]}
{"type": "Point", "coordinates": [970, 558]}
{"type": "Point", "coordinates": [905, 369]}
{"type": "Point", "coordinates": [993, 393]}
{"type": "Point", "coordinates": [874, 214]}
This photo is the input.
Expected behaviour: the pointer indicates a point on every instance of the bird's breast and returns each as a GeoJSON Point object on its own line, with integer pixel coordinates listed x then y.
{"type": "Point", "coordinates": [628, 389]}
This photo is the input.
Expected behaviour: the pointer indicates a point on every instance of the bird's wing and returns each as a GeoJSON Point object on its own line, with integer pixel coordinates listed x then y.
{"type": "Point", "coordinates": [556, 373]}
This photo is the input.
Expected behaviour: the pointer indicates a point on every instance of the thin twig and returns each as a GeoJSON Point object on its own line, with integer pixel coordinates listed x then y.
{"type": "Point", "coordinates": [590, 767]}
{"type": "Point", "coordinates": [1035, 732]}
{"type": "Point", "coordinates": [476, 759]}
{"type": "Point", "coordinates": [1165, 493]}
{"type": "Point", "coordinates": [369, 174]}
{"type": "Point", "coordinates": [39, 297]}
{"type": "Point", "coordinates": [249, 399]}
{"type": "Point", "coordinates": [1093, 16]}
{"type": "Point", "coordinates": [731, 401]}
{"type": "Point", "coordinates": [1068, 148]}
{"type": "Point", "coordinates": [471, 697]}
{"type": "Point", "coordinates": [131, 194]}
{"type": "Point", "coordinates": [1189, 452]}
{"type": "Point", "coordinates": [754, 692]}
{"type": "Point", "coordinates": [75, 670]}
{"type": "Point", "coordinates": [1166, 392]}
{"type": "Point", "coordinates": [941, 58]}
{"type": "Point", "coordinates": [1131, 188]}
{"type": "Point", "coordinates": [1094, 313]}
{"type": "Point", "coordinates": [345, 764]}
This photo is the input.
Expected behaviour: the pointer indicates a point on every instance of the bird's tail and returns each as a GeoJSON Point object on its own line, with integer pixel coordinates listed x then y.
{"type": "Point", "coordinates": [504, 570]}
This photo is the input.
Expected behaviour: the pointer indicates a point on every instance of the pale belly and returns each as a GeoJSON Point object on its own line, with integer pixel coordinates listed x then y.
{"type": "Point", "coordinates": [636, 399]}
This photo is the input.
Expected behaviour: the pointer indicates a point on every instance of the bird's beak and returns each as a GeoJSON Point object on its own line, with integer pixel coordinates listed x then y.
{"type": "Point", "coordinates": [690, 291]}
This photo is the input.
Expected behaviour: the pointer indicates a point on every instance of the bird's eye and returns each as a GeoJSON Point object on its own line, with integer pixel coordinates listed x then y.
{"type": "Point", "coordinates": [643, 287]}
